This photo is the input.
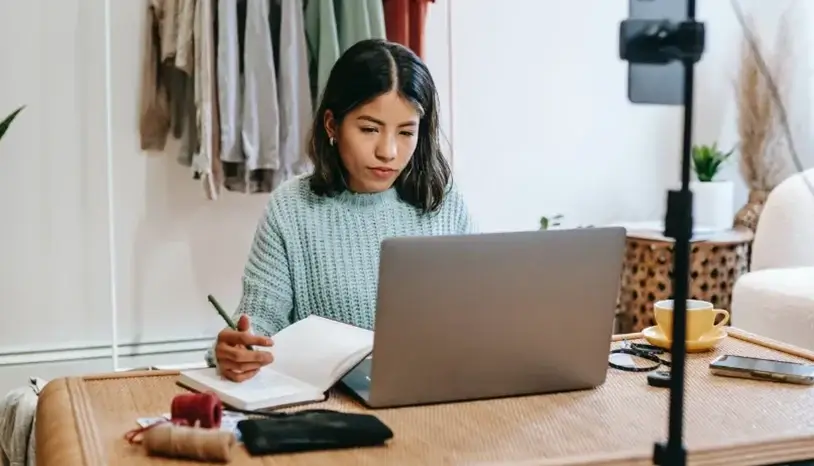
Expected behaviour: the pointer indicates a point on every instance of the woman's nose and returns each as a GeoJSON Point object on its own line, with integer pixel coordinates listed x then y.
{"type": "Point", "coordinates": [387, 150]}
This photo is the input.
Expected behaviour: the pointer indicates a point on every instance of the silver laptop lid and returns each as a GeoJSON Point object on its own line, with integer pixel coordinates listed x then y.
{"type": "Point", "coordinates": [489, 315]}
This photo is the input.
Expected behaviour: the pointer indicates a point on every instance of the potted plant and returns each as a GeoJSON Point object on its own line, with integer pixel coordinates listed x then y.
{"type": "Point", "coordinates": [554, 222]}
{"type": "Point", "coordinates": [713, 199]}
{"type": "Point", "coordinates": [4, 125]}
{"type": "Point", "coordinates": [550, 222]}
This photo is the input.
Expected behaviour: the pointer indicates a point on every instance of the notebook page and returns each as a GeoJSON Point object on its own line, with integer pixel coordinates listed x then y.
{"type": "Point", "coordinates": [313, 348]}
{"type": "Point", "coordinates": [266, 386]}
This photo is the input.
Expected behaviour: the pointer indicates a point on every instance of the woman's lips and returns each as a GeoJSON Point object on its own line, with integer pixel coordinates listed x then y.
{"type": "Point", "coordinates": [382, 172]}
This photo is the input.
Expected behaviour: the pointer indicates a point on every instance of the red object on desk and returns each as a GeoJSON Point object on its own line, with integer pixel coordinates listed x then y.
{"type": "Point", "coordinates": [190, 409]}
{"type": "Point", "coordinates": [204, 409]}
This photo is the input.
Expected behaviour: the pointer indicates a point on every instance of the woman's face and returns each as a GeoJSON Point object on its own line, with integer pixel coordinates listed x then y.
{"type": "Point", "coordinates": [376, 141]}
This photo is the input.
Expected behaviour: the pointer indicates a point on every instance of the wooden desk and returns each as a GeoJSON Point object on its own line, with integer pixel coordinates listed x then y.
{"type": "Point", "coordinates": [81, 421]}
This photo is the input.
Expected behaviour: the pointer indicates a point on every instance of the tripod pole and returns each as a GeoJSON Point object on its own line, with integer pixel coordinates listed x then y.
{"type": "Point", "coordinates": [649, 41]}
{"type": "Point", "coordinates": [679, 225]}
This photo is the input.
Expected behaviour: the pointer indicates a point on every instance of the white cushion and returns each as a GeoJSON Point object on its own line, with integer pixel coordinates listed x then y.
{"type": "Point", "coordinates": [786, 226]}
{"type": "Point", "coordinates": [776, 303]}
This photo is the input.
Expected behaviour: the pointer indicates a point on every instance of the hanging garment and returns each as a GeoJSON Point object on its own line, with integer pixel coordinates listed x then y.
{"type": "Point", "coordinates": [293, 87]}
{"type": "Point", "coordinates": [184, 81]}
{"type": "Point", "coordinates": [210, 78]}
{"type": "Point", "coordinates": [185, 45]}
{"type": "Point", "coordinates": [154, 107]}
{"type": "Point", "coordinates": [175, 44]}
{"type": "Point", "coordinates": [168, 14]}
{"type": "Point", "coordinates": [176, 56]}
{"type": "Point", "coordinates": [261, 123]}
{"type": "Point", "coordinates": [323, 43]}
{"type": "Point", "coordinates": [230, 100]}
{"type": "Point", "coordinates": [406, 21]}
{"type": "Point", "coordinates": [359, 20]}
{"type": "Point", "coordinates": [167, 66]}
{"type": "Point", "coordinates": [206, 161]}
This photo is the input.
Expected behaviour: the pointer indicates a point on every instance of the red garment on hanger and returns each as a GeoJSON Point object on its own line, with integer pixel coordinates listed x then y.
{"type": "Point", "coordinates": [404, 22]}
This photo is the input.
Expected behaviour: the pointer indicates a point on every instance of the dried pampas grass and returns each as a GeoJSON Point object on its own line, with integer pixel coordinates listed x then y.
{"type": "Point", "coordinates": [764, 150]}
{"type": "Point", "coordinates": [763, 145]}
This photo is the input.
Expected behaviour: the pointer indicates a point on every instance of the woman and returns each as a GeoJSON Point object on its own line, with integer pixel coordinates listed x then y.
{"type": "Point", "coordinates": [378, 173]}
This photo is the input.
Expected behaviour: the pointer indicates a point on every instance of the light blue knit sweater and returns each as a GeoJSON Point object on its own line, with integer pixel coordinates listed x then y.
{"type": "Point", "coordinates": [320, 255]}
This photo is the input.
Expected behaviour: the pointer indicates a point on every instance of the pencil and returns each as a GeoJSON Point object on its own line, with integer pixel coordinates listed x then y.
{"type": "Point", "coordinates": [224, 315]}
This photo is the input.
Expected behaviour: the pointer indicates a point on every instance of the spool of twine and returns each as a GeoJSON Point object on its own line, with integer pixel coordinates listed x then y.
{"type": "Point", "coordinates": [202, 409]}
{"type": "Point", "coordinates": [174, 441]}
{"type": "Point", "coordinates": [191, 433]}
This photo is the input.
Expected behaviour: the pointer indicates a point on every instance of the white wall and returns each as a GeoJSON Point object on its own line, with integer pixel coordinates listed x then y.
{"type": "Point", "coordinates": [541, 118]}
{"type": "Point", "coordinates": [540, 125]}
{"type": "Point", "coordinates": [173, 247]}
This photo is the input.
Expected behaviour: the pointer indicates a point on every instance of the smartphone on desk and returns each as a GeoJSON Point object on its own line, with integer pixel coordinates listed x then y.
{"type": "Point", "coordinates": [763, 369]}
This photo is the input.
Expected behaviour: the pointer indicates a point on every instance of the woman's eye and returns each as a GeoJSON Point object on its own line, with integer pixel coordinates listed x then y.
{"type": "Point", "coordinates": [368, 130]}
{"type": "Point", "coordinates": [409, 134]}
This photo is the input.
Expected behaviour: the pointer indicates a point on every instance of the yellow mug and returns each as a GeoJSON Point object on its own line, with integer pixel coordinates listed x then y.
{"type": "Point", "coordinates": [701, 317]}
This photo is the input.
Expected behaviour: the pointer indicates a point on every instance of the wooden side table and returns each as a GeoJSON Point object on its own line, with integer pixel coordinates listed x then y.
{"type": "Point", "coordinates": [716, 262]}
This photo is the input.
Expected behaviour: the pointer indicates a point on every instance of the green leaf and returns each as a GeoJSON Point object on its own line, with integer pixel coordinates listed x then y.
{"type": "Point", "coordinates": [548, 222]}
{"type": "Point", "coordinates": [707, 161]}
{"type": "Point", "coordinates": [4, 125]}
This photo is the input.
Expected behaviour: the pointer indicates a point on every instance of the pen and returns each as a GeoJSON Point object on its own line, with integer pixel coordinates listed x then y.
{"type": "Point", "coordinates": [224, 315]}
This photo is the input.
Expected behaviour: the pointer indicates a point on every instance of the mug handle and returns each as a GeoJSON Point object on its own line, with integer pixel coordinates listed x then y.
{"type": "Point", "coordinates": [723, 321]}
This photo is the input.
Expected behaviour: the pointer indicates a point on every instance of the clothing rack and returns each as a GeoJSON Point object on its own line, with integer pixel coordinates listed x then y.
{"type": "Point", "coordinates": [111, 219]}
{"type": "Point", "coordinates": [110, 182]}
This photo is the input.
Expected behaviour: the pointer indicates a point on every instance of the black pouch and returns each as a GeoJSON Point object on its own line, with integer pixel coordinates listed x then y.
{"type": "Point", "coordinates": [312, 430]}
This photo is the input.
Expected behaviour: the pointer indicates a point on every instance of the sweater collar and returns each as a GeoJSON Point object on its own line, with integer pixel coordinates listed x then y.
{"type": "Point", "coordinates": [368, 199]}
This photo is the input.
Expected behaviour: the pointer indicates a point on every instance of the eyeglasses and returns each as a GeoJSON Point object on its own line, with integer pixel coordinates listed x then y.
{"type": "Point", "coordinates": [637, 357]}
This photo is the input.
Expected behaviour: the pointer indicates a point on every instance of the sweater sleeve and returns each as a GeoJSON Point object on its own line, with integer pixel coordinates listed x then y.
{"type": "Point", "coordinates": [267, 296]}
{"type": "Point", "coordinates": [463, 222]}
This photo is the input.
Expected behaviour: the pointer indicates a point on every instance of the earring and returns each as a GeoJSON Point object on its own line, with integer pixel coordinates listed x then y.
{"type": "Point", "coordinates": [331, 141]}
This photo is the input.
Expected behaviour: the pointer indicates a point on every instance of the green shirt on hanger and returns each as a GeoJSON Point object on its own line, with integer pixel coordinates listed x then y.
{"type": "Point", "coordinates": [323, 43]}
{"type": "Point", "coordinates": [359, 20]}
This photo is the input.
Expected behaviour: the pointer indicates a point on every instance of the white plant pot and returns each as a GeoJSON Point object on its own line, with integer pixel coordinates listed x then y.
{"type": "Point", "coordinates": [713, 204]}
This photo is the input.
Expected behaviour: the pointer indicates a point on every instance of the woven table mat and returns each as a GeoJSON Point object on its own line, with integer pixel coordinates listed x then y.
{"type": "Point", "coordinates": [728, 421]}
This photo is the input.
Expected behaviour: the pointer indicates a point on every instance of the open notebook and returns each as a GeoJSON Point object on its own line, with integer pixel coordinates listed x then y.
{"type": "Point", "coordinates": [310, 356]}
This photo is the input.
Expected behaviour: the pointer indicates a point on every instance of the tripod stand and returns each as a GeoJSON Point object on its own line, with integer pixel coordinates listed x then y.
{"type": "Point", "coordinates": [655, 42]}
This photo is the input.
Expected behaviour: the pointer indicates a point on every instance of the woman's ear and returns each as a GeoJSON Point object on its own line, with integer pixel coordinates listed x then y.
{"type": "Point", "coordinates": [330, 124]}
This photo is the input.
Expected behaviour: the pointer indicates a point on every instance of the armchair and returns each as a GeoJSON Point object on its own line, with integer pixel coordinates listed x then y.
{"type": "Point", "coordinates": [776, 298]}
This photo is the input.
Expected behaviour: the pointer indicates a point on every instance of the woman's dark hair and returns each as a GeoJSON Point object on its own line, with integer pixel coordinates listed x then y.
{"type": "Point", "coordinates": [365, 71]}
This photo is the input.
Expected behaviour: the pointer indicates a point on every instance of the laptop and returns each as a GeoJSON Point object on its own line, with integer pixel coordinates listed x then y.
{"type": "Point", "coordinates": [482, 316]}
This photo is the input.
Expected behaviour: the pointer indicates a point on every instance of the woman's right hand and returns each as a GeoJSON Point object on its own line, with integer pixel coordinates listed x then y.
{"type": "Point", "coordinates": [235, 361]}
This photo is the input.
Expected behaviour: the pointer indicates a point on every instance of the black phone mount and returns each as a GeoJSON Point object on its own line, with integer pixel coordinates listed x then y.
{"type": "Point", "coordinates": [660, 42]}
